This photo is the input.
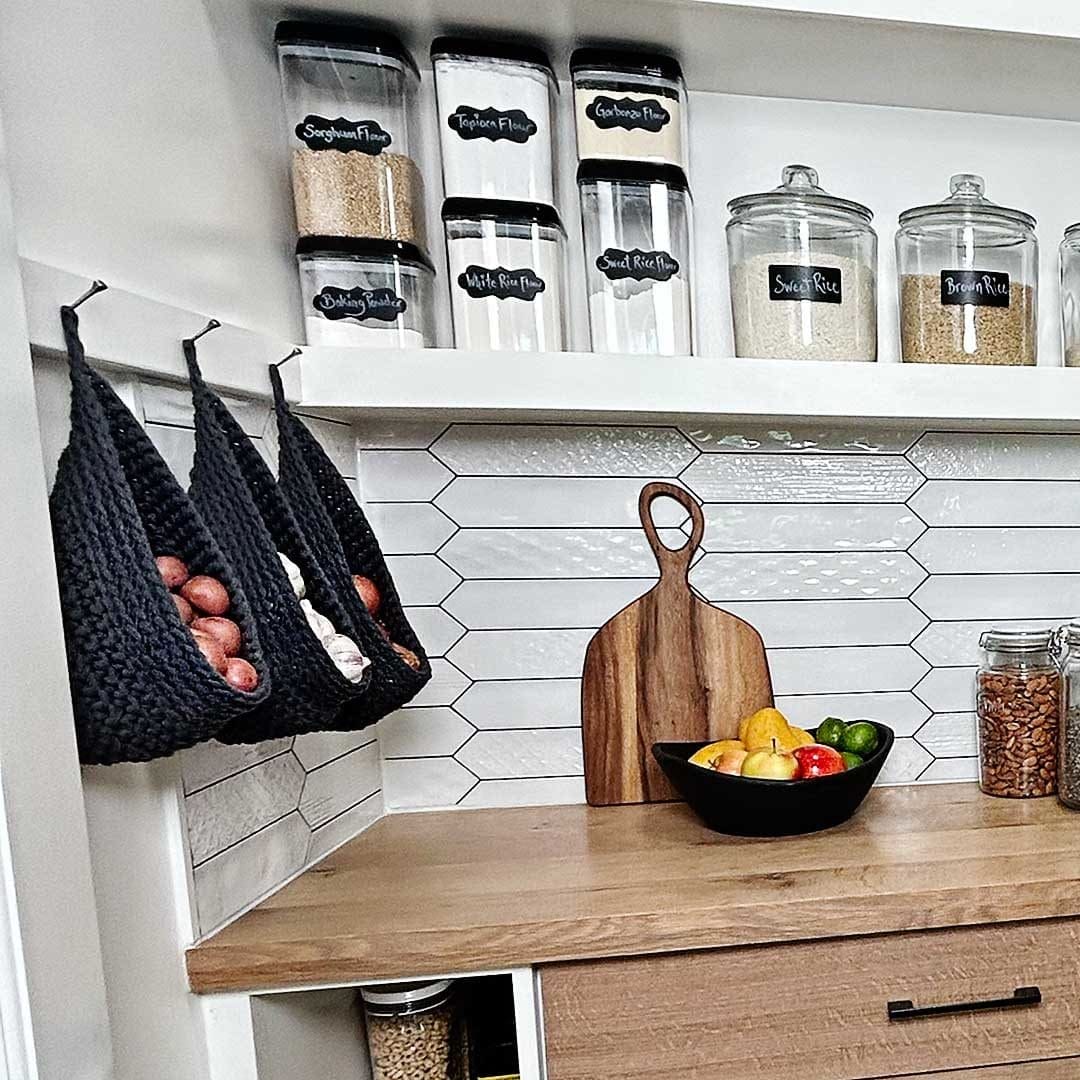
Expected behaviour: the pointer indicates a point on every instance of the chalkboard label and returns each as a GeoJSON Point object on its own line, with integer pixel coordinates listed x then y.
{"type": "Point", "coordinates": [511, 125]}
{"type": "Point", "coordinates": [617, 264]}
{"type": "Point", "coordinates": [981, 288]}
{"type": "Point", "coordinates": [481, 282]}
{"type": "Point", "coordinates": [819, 284]}
{"type": "Point", "coordinates": [644, 115]}
{"type": "Point", "coordinates": [365, 136]}
{"type": "Point", "coordinates": [382, 304]}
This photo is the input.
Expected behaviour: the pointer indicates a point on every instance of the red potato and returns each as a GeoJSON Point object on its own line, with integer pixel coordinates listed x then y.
{"type": "Point", "coordinates": [225, 630]}
{"type": "Point", "coordinates": [211, 648]}
{"type": "Point", "coordinates": [206, 594]}
{"type": "Point", "coordinates": [183, 609]}
{"type": "Point", "coordinates": [240, 675]}
{"type": "Point", "coordinates": [368, 592]}
{"type": "Point", "coordinates": [173, 571]}
{"type": "Point", "coordinates": [407, 655]}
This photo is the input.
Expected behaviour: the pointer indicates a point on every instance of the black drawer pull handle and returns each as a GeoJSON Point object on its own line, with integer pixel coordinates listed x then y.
{"type": "Point", "coordinates": [1022, 997]}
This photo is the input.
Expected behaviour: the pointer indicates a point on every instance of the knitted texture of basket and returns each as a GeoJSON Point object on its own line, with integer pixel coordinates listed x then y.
{"type": "Point", "coordinates": [141, 688]}
{"type": "Point", "coordinates": [344, 543]}
{"type": "Point", "coordinates": [239, 498]}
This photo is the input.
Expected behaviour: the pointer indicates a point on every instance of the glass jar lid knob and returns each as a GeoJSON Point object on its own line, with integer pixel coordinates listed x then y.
{"type": "Point", "coordinates": [800, 176]}
{"type": "Point", "coordinates": [967, 186]}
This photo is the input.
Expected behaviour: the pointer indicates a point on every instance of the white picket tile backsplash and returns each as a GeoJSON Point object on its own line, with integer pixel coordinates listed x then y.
{"type": "Point", "coordinates": [335, 787]}
{"type": "Point", "coordinates": [422, 579]}
{"type": "Point", "coordinates": [869, 582]}
{"type": "Point", "coordinates": [409, 528]}
{"type": "Point", "coordinates": [436, 628]}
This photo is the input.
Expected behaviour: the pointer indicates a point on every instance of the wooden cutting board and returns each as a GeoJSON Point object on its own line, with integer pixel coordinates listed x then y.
{"type": "Point", "coordinates": [669, 666]}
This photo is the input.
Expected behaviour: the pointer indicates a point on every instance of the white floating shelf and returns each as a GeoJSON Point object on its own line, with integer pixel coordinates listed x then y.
{"type": "Point", "coordinates": [630, 389]}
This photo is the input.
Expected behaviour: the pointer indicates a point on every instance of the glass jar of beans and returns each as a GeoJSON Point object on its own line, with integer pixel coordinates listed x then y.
{"type": "Point", "coordinates": [1019, 712]}
{"type": "Point", "coordinates": [416, 1031]}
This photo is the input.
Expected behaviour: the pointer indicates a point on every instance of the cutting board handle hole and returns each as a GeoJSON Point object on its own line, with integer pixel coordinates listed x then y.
{"type": "Point", "coordinates": [672, 560]}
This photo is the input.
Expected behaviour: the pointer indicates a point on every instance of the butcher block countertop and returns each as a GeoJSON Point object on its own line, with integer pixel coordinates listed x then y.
{"type": "Point", "coordinates": [480, 890]}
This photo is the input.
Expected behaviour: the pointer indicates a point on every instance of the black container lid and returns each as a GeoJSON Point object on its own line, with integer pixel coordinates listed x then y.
{"type": "Point", "coordinates": [362, 245]}
{"type": "Point", "coordinates": [658, 65]}
{"type": "Point", "coordinates": [361, 38]}
{"type": "Point", "coordinates": [495, 50]}
{"type": "Point", "coordinates": [632, 172]}
{"type": "Point", "coordinates": [502, 210]}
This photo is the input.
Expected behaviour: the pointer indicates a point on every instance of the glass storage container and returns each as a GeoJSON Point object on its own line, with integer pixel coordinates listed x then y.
{"type": "Point", "coordinates": [496, 111]}
{"type": "Point", "coordinates": [378, 293]}
{"type": "Point", "coordinates": [507, 268]}
{"type": "Point", "coordinates": [968, 280]}
{"type": "Point", "coordinates": [350, 110]}
{"type": "Point", "coordinates": [803, 271]}
{"type": "Point", "coordinates": [1069, 740]}
{"type": "Point", "coordinates": [1070, 295]}
{"type": "Point", "coordinates": [1018, 703]}
{"type": "Point", "coordinates": [416, 1031]}
{"type": "Point", "coordinates": [636, 221]}
{"type": "Point", "coordinates": [629, 105]}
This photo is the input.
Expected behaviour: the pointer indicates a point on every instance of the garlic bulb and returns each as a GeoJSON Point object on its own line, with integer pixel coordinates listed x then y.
{"type": "Point", "coordinates": [296, 579]}
{"type": "Point", "coordinates": [320, 625]}
{"type": "Point", "coordinates": [347, 657]}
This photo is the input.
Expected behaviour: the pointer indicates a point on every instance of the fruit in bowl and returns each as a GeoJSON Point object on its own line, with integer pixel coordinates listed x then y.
{"type": "Point", "coordinates": [770, 764]}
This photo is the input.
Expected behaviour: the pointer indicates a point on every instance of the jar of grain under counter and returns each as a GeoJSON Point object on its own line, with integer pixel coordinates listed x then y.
{"type": "Point", "coordinates": [638, 267]}
{"type": "Point", "coordinates": [375, 293]}
{"type": "Point", "coordinates": [496, 119]}
{"type": "Point", "coordinates": [350, 110]}
{"type": "Point", "coordinates": [803, 271]}
{"type": "Point", "coordinates": [969, 274]}
{"type": "Point", "coordinates": [629, 105]}
{"type": "Point", "coordinates": [506, 267]}
{"type": "Point", "coordinates": [1018, 704]}
{"type": "Point", "coordinates": [416, 1031]}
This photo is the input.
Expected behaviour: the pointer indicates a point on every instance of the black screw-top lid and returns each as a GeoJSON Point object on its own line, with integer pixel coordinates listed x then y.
{"type": "Point", "coordinates": [632, 172]}
{"type": "Point", "coordinates": [459, 209]}
{"type": "Point", "coordinates": [495, 50]}
{"type": "Point", "coordinates": [659, 65]}
{"type": "Point", "coordinates": [344, 35]}
{"type": "Point", "coordinates": [364, 246]}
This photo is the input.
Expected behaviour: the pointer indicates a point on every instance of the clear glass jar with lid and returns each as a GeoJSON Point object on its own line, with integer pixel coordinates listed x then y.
{"type": "Point", "coordinates": [1069, 739]}
{"type": "Point", "coordinates": [1018, 705]}
{"type": "Point", "coordinates": [803, 270]}
{"type": "Point", "coordinates": [416, 1031]}
{"type": "Point", "coordinates": [969, 276]}
{"type": "Point", "coordinates": [1069, 253]}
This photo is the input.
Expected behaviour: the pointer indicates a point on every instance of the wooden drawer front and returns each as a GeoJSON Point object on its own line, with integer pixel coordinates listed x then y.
{"type": "Point", "coordinates": [816, 1011]}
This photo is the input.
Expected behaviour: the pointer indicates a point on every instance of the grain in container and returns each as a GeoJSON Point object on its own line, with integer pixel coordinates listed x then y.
{"type": "Point", "coordinates": [1018, 708]}
{"type": "Point", "coordinates": [968, 280]}
{"type": "Point", "coordinates": [1069, 254]}
{"type": "Point", "coordinates": [377, 293]}
{"type": "Point", "coordinates": [496, 119]}
{"type": "Point", "coordinates": [350, 99]}
{"type": "Point", "coordinates": [1069, 737]}
{"type": "Point", "coordinates": [629, 105]}
{"type": "Point", "coordinates": [416, 1031]}
{"type": "Point", "coordinates": [506, 268]}
{"type": "Point", "coordinates": [803, 272]}
{"type": "Point", "coordinates": [636, 222]}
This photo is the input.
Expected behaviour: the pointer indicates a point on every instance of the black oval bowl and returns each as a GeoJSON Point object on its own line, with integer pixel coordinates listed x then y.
{"type": "Point", "coordinates": [747, 806]}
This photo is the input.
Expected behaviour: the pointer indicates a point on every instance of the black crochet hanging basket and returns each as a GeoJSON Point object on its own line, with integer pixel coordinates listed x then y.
{"type": "Point", "coordinates": [345, 544]}
{"type": "Point", "coordinates": [236, 493]}
{"type": "Point", "coordinates": [141, 688]}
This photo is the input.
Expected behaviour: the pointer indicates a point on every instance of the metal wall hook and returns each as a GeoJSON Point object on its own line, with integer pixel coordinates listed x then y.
{"type": "Point", "coordinates": [213, 324]}
{"type": "Point", "coordinates": [96, 286]}
{"type": "Point", "coordinates": [294, 353]}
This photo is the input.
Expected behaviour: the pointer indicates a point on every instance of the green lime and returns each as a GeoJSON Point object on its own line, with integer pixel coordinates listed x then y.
{"type": "Point", "coordinates": [851, 761]}
{"type": "Point", "coordinates": [831, 731]}
{"type": "Point", "coordinates": [860, 738]}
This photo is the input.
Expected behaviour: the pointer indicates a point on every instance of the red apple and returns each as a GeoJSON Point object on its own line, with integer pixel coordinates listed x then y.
{"type": "Point", "coordinates": [817, 760]}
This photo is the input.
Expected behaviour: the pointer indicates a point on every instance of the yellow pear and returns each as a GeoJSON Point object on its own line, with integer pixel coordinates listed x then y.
{"type": "Point", "coordinates": [708, 754]}
{"type": "Point", "coordinates": [804, 737]}
{"type": "Point", "coordinates": [759, 731]}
